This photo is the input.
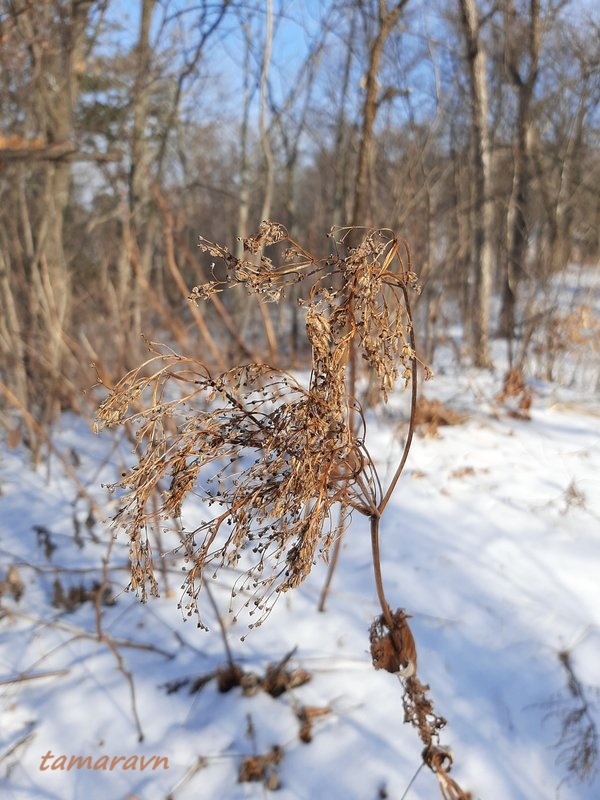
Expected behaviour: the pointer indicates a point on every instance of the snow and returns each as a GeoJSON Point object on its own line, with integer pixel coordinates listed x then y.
{"type": "Point", "coordinates": [490, 542]}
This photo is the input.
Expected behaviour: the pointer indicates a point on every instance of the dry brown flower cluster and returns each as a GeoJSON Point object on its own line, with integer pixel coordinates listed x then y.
{"type": "Point", "coordinates": [270, 456]}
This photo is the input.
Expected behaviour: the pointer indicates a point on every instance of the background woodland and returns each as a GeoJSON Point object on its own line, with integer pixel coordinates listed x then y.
{"type": "Point", "coordinates": [128, 129]}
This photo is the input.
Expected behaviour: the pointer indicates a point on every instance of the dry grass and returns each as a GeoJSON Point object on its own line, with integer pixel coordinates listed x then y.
{"type": "Point", "coordinates": [516, 395]}
{"type": "Point", "coordinates": [433, 414]}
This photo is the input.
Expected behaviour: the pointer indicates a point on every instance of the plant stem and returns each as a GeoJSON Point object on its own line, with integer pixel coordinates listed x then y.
{"type": "Point", "coordinates": [228, 653]}
{"type": "Point", "coordinates": [385, 608]}
{"type": "Point", "coordinates": [334, 558]}
{"type": "Point", "coordinates": [413, 411]}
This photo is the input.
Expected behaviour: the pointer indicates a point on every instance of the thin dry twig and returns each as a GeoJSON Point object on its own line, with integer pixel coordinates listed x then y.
{"type": "Point", "coordinates": [19, 743]}
{"type": "Point", "coordinates": [107, 639]}
{"type": "Point", "coordinates": [21, 677]}
{"type": "Point", "coordinates": [81, 633]}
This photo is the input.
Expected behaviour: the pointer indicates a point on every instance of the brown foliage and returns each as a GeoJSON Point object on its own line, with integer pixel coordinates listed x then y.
{"type": "Point", "coordinates": [70, 599]}
{"type": "Point", "coordinates": [306, 715]}
{"type": "Point", "coordinates": [394, 650]}
{"type": "Point", "coordinates": [516, 394]}
{"type": "Point", "coordinates": [12, 584]}
{"type": "Point", "coordinates": [276, 681]}
{"type": "Point", "coordinates": [432, 414]}
{"type": "Point", "coordinates": [261, 768]}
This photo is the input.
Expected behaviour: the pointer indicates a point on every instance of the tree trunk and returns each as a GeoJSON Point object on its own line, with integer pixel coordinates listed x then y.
{"type": "Point", "coordinates": [55, 45]}
{"type": "Point", "coordinates": [517, 228]}
{"type": "Point", "coordinates": [264, 133]}
{"type": "Point", "coordinates": [244, 192]}
{"type": "Point", "coordinates": [340, 151]}
{"type": "Point", "coordinates": [141, 234]}
{"type": "Point", "coordinates": [482, 211]}
{"type": "Point", "coordinates": [387, 19]}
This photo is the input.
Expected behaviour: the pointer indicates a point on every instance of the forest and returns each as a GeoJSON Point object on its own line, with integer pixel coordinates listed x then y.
{"type": "Point", "coordinates": [130, 129]}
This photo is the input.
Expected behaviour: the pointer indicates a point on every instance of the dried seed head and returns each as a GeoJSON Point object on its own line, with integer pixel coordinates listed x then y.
{"type": "Point", "coordinates": [269, 456]}
{"type": "Point", "coordinates": [394, 650]}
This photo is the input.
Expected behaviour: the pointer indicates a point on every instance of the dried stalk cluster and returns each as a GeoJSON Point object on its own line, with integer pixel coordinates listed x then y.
{"type": "Point", "coordinates": [271, 457]}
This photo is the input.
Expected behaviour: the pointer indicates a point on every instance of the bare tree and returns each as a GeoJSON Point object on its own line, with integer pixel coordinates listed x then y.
{"type": "Point", "coordinates": [387, 18]}
{"type": "Point", "coordinates": [481, 209]}
{"type": "Point", "coordinates": [566, 168]}
{"type": "Point", "coordinates": [522, 67]}
{"type": "Point", "coordinates": [94, 253]}
{"type": "Point", "coordinates": [244, 178]}
{"type": "Point", "coordinates": [340, 185]}
{"type": "Point", "coordinates": [52, 38]}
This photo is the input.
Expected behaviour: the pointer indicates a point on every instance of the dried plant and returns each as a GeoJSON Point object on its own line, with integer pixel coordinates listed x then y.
{"type": "Point", "coordinates": [433, 414]}
{"type": "Point", "coordinates": [516, 395]}
{"type": "Point", "coordinates": [306, 716]}
{"type": "Point", "coordinates": [568, 345]}
{"type": "Point", "coordinates": [260, 768]}
{"type": "Point", "coordinates": [272, 457]}
{"type": "Point", "coordinates": [12, 584]}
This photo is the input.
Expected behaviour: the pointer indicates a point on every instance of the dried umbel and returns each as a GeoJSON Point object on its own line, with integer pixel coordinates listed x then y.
{"type": "Point", "coordinates": [272, 459]}
{"type": "Point", "coordinates": [269, 456]}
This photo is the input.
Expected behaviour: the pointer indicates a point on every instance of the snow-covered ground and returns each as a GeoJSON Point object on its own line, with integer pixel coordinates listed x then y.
{"type": "Point", "coordinates": [491, 542]}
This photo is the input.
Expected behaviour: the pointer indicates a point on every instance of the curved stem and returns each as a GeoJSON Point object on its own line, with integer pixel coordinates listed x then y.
{"type": "Point", "coordinates": [413, 410]}
{"type": "Point", "coordinates": [385, 608]}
